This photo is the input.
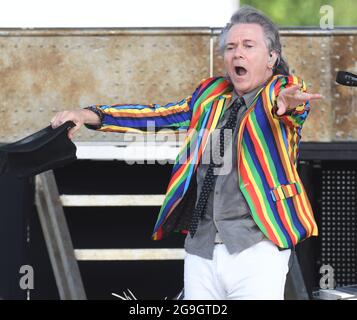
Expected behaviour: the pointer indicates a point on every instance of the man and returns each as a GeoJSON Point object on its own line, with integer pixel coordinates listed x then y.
{"type": "Point", "coordinates": [235, 190]}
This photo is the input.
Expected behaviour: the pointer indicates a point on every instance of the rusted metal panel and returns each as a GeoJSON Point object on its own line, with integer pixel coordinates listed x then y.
{"type": "Point", "coordinates": [42, 73]}
{"type": "Point", "coordinates": [45, 71]}
{"type": "Point", "coordinates": [218, 67]}
{"type": "Point", "coordinates": [308, 58]}
{"type": "Point", "coordinates": [344, 99]}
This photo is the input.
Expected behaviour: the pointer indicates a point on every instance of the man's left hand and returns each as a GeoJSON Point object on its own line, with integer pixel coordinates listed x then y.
{"type": "Point", "coordinates": [290, 98]}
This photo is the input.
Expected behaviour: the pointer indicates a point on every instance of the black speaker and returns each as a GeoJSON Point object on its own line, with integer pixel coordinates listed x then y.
{"type": "Point", "coordinates": [16, 202]}
{"type": "Point", "coordinates": [338, 220]}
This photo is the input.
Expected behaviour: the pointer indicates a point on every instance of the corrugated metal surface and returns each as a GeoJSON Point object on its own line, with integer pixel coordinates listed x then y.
{"type": "Point", "coordinates": [344, 99]}
{"type": "Point", "coordinates": [308, 57]}
{"type": "Point", "coordinates": [45, 71]}
{"type": "Point", "coordinates": [42, 73]}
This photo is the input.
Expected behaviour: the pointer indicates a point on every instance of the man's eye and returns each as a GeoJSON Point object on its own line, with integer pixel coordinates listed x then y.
{"type": "Point", "coordinates": [229, 48]}
{"type": "Point", "coordinates": [248, 46]}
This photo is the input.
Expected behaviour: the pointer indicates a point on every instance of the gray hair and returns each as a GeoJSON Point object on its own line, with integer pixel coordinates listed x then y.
{"type": "Point", "coordinates": [247, 14]}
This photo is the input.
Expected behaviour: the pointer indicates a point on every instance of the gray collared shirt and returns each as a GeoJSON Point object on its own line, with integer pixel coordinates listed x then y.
{"type": "Point", "coordinates": [227, 211]}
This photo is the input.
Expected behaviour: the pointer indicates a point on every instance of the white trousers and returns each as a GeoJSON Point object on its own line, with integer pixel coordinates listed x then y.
{"type": "Point", "coordinates": [257, 273]}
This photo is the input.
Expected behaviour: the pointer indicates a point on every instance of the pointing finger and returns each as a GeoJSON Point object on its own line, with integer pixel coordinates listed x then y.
{"type": "Point", "coordinates": [315, 96]}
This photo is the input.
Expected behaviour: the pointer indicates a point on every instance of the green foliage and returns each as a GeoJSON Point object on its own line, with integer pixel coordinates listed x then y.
{"type": "Point", "coordinates": [306, 12]}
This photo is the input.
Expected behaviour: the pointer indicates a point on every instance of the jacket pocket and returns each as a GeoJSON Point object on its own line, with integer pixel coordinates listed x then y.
{"type": "Point", "coordinates": [285, 191]}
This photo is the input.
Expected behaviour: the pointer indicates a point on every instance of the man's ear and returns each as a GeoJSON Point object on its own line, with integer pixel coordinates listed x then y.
{"type": "Point", "coordinates": [272, 59]}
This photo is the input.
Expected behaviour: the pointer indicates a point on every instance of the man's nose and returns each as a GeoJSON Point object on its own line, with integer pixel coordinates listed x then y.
{"type": "Point", "coordinates": [238, 52]}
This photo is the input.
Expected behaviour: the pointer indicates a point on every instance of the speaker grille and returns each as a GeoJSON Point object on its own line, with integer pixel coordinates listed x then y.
{"type": "Point", "coordinates": [338, 229]}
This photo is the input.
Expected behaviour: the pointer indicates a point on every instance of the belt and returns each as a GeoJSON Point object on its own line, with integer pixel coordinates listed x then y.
{"type": "Point", "coordinates": [217, 239]}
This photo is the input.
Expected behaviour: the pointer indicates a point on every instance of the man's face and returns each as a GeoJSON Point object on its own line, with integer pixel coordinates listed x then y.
{"type": "Point", "coordinates": [246, 57]}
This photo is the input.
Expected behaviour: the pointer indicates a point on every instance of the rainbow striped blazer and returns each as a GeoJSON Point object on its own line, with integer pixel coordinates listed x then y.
{"type": "Point", "coordinates": [267, 149]}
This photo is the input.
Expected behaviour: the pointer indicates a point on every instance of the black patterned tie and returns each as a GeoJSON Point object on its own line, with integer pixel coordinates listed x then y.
{"type": "Point", "coordinates": [210, 178]}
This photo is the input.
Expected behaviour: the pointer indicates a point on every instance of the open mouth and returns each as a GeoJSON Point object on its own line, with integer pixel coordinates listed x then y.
{"type": "Point", "coordinates": [240, 71]}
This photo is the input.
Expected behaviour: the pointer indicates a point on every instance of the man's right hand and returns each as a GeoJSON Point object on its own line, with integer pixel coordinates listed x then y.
{"type": "Point", "coordinates": [79, 117]}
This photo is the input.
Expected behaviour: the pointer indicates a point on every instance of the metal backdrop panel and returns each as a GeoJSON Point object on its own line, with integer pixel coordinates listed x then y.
{"type": "Point", "coordinates": [45, 71]}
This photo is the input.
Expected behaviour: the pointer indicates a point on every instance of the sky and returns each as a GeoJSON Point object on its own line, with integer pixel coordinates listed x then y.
{"type": "Point", "coordinates": [115, 13]}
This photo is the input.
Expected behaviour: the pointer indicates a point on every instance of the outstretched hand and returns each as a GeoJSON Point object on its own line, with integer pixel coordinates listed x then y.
{"type": "Point", "coordinates": [290, 98]}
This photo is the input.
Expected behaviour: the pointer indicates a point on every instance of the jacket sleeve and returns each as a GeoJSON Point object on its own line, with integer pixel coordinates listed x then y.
{"type": "Point", "coordinates": [297, 116]}
{"type": "Point", "coordinates": [138, 118]}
